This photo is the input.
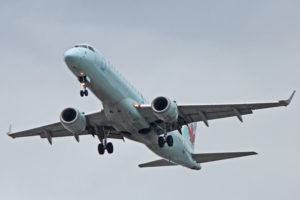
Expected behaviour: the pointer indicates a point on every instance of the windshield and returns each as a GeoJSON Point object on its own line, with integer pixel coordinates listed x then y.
{"type": "Point", "coordinates": [85, 46]}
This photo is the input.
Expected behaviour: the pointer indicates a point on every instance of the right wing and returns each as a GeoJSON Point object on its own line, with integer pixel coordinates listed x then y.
{"type": "Point", "coordinates": [97, 119]}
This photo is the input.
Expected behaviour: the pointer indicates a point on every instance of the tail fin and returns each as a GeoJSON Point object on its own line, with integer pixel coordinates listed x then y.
{"type": "Point", "coordinates": [189, 134]}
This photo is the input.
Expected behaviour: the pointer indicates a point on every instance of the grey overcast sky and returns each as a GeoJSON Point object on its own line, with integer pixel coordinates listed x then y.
{"type": "Point", "coordinates": [201, 52]}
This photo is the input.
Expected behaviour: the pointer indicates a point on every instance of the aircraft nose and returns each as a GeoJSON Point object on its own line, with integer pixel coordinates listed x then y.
{"type": "Point", "coordinates": [72, 56]}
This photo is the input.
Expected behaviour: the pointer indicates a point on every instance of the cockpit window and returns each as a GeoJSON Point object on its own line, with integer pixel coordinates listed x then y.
{"type": "Point", "coordinates": [91, 48]}
{"type": "Point", "coordinates": [80, 45]}
{"type": "Point", "coordinates": [85, 46]}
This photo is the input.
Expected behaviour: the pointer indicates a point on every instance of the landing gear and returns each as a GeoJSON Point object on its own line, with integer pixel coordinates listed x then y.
{"type": "Point", "coordinates": [84, 92]}
{"type": "Point", "coordinates": [108, 147]}
{"type": "Point", "coordinates": [101, 149]}
{"type": "Point", "coordinates": [169, 140]}
{"type": "Point", "coordinates": [102, 133]}
{"type": "Point", "coordinates": [162, 140]}
{"type": "Point", "coordinates": [83, 80]}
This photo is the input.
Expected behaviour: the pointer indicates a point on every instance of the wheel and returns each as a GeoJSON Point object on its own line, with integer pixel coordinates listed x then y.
{"type": "Point", "coordinates": [169, 140]}
{"type": "Point", "coordinates": [109, 147]}
{"type": "Point", "coordinates": [161, 142]}
{"type": "Point", "coordinates": [81, 93]}
{"type": "Point", "coordinates": [86, 93]}
{"type": "Point", "coordinates": [101, 149]}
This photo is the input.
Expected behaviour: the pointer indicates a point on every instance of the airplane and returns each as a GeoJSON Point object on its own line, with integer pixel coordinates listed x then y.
{"type": "Point", "coordinates": [168, 129]}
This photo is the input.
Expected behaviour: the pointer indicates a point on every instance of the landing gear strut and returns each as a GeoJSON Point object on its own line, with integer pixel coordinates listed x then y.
{"type": "Point", "coordinates": [104, 145]}
{"type": "Point", "coordinates": [162, 140]}
{"type": "Point", "coordinates": [83, 80]}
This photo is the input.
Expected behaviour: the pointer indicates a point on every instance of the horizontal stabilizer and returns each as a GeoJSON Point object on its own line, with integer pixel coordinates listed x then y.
{"type": "Point", "coordinates": [210, 157]}
{"type": "Point", "coordinates": [157, 163]}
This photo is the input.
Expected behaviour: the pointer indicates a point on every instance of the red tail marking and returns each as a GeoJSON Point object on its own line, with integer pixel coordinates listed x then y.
{"type": "Point", "coordinates": [191, 133]}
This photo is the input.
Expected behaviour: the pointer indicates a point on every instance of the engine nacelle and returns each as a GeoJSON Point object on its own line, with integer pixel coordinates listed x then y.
{"type": "Point", "coordinates": [165, 109]}
{"type": "Point", "coordinates": [73, 120]}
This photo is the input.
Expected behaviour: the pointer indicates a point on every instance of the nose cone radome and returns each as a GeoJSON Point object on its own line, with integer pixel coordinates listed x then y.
{"type": "Point", "coordinates": [72, 56]}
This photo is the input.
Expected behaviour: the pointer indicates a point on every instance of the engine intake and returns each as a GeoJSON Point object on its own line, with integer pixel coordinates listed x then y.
{"type": "Point", "coordinates": [165, 109]}
{"type": "Point", "coordinates": [73, 120]}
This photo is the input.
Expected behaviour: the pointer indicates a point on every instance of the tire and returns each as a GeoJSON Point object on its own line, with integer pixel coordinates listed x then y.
{"type": "Point", "coordinates": [109, 148]}
{"type": "Point", "coordinates": [161, 142]}
{"type": "Point", "coordinates": [86, 93]}
{"type": "Point", "coordinates": [81, 93]}
{"type": "Point", "coordinates": [101, 149]}
{"type": "Point", "coordinates": [169, 140]}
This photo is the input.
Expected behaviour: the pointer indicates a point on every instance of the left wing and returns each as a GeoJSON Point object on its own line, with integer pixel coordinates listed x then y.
{"type": "Point", "coordinates": [196, 113]}
{"type": "Point", "coordinates": [97, 119]}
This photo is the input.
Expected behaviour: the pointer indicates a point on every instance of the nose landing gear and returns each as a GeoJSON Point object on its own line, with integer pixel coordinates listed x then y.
{"type": "Point", "coordinates": [84, 92]}
{"type": "Point", "coordinates": [84, 80]}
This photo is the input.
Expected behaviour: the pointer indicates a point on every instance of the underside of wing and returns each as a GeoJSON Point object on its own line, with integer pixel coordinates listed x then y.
{"type": "Point", "coordinates": [157, 163]}
{"type": "Point", "coordinates": [210, 157]}
{"type": "Point", "coordinates": [57, 130]}
{"type": "Point", "coordinates": [196, 113]}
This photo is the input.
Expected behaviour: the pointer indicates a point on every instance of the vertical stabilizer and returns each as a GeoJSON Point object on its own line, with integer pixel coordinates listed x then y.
{"type": "Point", "coordinates": [189, 134]}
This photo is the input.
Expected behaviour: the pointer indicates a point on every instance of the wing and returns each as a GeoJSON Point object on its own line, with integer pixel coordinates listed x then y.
{"type": "Point", "coordinates": [200, 158]}
{"type": "Point", "coordinates": [157, 163]}
{"type": "Point", "coordinates": [210, 157]}
{"type": "Point", "coordinates": [97, 119]}
{"type": "Point", "coordinates": [196, 113]}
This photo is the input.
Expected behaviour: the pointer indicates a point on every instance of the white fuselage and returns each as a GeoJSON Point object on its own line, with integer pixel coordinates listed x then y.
{"type": "Point", "coordinates": [118, 98]}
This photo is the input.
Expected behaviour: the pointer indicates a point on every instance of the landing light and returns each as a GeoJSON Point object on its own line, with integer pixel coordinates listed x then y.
{"type": "Point", "coordinates": [136, 105]}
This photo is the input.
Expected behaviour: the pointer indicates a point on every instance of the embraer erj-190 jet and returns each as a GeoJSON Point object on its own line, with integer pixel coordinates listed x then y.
{"type": "Point", "coordinates": [165, 127]}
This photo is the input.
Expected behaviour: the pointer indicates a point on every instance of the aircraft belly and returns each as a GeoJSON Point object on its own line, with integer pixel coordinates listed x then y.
{"type": "Point", "coordinates": [127, 119]}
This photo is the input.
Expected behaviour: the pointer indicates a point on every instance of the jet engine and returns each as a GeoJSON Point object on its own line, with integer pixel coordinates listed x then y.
{"type": "Point", "coordinates": [165, 109]}
{"type": "Point", "coordinates": [73, 120]}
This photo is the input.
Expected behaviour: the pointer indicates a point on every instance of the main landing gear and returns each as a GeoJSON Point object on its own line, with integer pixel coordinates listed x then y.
{"type": "Point", "coordinates": [104, 145]}
{"type": "Point", "coordinates": [163, 139]}
{"type": "Point", "coordinates": [83, 80]}
{"type": "Point", "coordinates": [108, 147]}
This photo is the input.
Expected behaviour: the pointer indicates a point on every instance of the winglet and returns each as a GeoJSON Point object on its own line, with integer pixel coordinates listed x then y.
{"type": "Point", "coordinates": [288, 101]}
{"type": "Point", "coordinates": [9, 131]}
